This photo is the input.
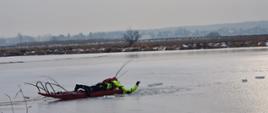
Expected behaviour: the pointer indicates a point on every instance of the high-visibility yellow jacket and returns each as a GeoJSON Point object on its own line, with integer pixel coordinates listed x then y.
{"type": "Point", "coordinates": [116, 84]}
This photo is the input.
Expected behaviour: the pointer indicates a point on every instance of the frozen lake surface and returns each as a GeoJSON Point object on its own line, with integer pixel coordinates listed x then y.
{"type": "Point", "coordinates": [194, 81]}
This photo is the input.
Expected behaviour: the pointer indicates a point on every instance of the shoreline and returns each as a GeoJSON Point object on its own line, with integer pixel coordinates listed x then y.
{"type": "Point", "coordinates": [119, 46]}
{"type": "Point", "coordinates": [25, 59]}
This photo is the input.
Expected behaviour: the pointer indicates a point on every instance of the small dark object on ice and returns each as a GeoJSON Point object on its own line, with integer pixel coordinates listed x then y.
{"type": "Point", "coordinates": [155, 84]}
{"type": "Point", "coordinates": [244, 80]}
{"type": "Point", "coordinates": [259, 77]}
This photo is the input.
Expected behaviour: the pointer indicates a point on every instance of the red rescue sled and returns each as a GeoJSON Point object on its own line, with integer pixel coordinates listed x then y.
{"type": "Point", "coordinates": [69, 95]}
{"type": "Point", "coordinates": [43, 89]}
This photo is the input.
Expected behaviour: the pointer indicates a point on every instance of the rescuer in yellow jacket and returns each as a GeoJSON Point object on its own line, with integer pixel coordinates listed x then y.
{"type": "Point", "coordinates": [107, 84]}
{"type": "Point", "coordinates": [113, 83]}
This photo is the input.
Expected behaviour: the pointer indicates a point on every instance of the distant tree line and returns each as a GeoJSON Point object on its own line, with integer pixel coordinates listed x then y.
{"type": "Point", "coordinates": [257, 28]}
{"type": "Point", "coordinates": [129, 36]}
{"type": "Point", "coordinates": [24, 39]}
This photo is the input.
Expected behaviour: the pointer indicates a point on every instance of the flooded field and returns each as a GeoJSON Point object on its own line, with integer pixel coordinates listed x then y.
{"type": "Point", "coordinates": [195, 81]}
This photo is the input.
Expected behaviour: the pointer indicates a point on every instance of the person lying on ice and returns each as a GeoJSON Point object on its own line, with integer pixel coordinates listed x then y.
{"type": "Point", "coordinates": [107, 84]}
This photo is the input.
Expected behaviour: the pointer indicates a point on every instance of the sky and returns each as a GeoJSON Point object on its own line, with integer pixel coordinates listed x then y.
{"type": "Point", "coordinates": [42, 17]}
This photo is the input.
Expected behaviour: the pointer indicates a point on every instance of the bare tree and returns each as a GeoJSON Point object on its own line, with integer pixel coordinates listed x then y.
{"type": "Point", "coordinates": [131, 36]}
{"type": "Point", "coordinates": [213, 34]}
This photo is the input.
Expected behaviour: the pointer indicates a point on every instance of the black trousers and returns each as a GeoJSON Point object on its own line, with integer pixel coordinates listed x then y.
{"type": "Point", "coordinates": [89, 89]}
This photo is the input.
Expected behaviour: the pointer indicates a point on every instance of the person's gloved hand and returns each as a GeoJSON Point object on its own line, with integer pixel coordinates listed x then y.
{"type": "Point", "coordinates": [137, 83]}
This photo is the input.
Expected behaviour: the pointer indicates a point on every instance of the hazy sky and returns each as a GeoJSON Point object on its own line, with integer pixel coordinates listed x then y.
{"type": "Point", "coordinates": [39, 17]}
